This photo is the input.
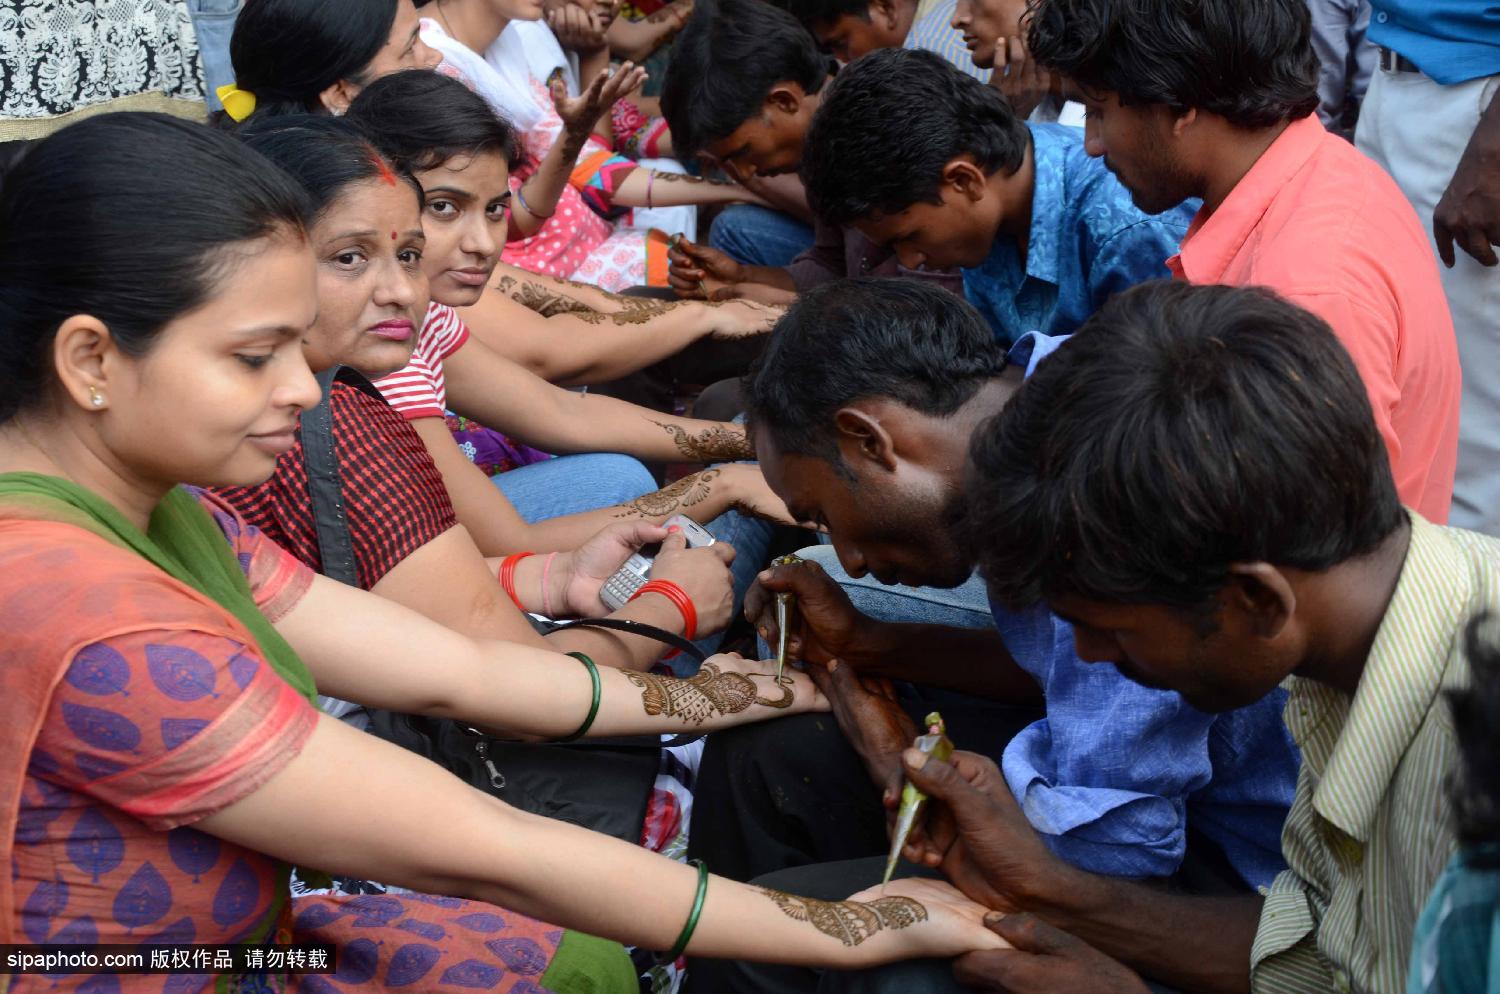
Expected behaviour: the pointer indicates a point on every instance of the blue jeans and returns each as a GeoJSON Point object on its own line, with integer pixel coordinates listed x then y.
{"type": "Point", "coordinates": [967, 606]}
{"type": "Point", "coordinates": [574, 484]}
{"type": "Point", "coordinates": [962, 607]}
{"type": "Point", "coordinates": [213, 22]}
{"type": "Point", "coordinates": [758, 236]}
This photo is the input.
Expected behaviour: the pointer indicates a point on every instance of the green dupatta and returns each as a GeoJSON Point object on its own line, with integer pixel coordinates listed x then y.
{"type": "Point", "coordinates": [182, 540]}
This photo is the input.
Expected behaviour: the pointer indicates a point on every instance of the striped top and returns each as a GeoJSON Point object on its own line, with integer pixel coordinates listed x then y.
{"type": "Point", "coordinates": [932, 30]}
{"type": "Point", "coordinates": [419, 389]}
{"type": "Point", "coordinates": [1370, 829]}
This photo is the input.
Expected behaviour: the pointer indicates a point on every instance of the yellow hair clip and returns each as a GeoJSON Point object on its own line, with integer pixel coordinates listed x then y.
{"type": "Point", "coordinates": [238, 104]}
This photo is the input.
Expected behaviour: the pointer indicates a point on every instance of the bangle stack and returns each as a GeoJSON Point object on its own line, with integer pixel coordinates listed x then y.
{"type": "Point", "coordinates": [508, 577]}
{"type": "Point", "coordinates": [588, 722]}
{"type": "Point", "coordinates": [679, 597]}
{"type": "Point", "coordinates": [680, 946]}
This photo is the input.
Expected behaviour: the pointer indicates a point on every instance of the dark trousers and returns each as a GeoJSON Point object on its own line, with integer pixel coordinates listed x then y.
{"type": "Point", "coordinates": [779, 797]}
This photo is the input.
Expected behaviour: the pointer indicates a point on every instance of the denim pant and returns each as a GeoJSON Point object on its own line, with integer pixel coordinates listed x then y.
{"type": "Point", "coordinates": [967, 606]}
{"type": "Point", "coordinates": [213, 22]}
{"type": "Point", "coordinates": [758, 236]}
{"type": "Point", "coordinates": [574, 484]}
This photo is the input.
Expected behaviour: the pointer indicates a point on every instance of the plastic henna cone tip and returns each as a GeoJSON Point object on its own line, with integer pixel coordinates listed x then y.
{"type": "Point", "coordinates": [913, 802]}
{"type": "Point", "coordinates": [784, 604]}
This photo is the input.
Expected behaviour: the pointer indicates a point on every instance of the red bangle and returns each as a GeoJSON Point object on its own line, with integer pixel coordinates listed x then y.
{"type": "Point", "coordinates": [678, 596]}
{"type": "Point", "coordinates": [508, 577]}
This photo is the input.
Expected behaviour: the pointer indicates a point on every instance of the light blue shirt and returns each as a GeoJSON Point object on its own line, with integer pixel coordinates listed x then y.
{"type": "Point", "coordinates": [1452, 41]}
{"type": "Point", "coordinates": [932, 30]}
{"type": "Point", "coordinates": [1112, 775]}
{"type": "Point", "coordinates": [1087, 241]}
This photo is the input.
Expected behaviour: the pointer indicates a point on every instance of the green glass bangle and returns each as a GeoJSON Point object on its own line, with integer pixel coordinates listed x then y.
{"type": "Point", "coordinates": [680, 946]}
{"type": "Point", "coordinates": [593, 707]}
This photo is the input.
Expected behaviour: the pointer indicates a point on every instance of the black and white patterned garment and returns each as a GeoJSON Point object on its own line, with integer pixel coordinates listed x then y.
{"type": "Point", "coordinates": [60, 57]}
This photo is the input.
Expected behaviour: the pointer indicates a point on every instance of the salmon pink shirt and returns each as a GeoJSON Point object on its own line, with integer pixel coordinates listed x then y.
{"type": "Point", "coordinates": [1326, 228]}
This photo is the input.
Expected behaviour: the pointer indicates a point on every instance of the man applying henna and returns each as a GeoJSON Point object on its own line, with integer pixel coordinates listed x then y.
{"type": "Point", "coordinates": [862, 409]}
{"type": "Point", "coordinates": [1238, 532]}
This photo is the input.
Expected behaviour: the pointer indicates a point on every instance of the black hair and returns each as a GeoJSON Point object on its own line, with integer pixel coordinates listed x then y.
{"type": "Point", "coordinates": [890, 122]}
{"type": "Point", "coordinates": [287, 52]}
{"type": "Point", "coordinates": [704, 102]}
{"type": "Point", "coordinates": [826, 12]}
{"type": "Point", "coordinates": [324, 154]}
{"type": "Point", "coordinates": [1251, 63]}
{"type": "Point", "coordinates": [1474, 788]}
{"type": "Point", "coordinates": [905, 339]}
{"type": "Point", "coordinates": [421, 119]}
{"type": "Point", "coordinates": [131, 218]}
{"type": "Point", "coordinates": [1180, 430]}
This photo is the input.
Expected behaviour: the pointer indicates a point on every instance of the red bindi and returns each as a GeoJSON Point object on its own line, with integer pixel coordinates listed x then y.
{"type": "Point", "coordinates": [393, 236]}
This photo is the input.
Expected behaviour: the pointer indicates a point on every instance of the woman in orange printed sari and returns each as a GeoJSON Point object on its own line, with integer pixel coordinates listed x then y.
{"type": "Point", "coordinates": [161, 760]}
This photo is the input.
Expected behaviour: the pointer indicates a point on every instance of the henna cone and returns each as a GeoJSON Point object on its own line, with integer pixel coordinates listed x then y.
{"type": "Point", "coordinates": [937, 745]}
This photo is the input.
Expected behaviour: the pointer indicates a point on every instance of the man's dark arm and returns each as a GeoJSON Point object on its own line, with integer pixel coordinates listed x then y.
{"type": "Point", "coordinates": [1188, 942]}
{"type": "Point", "coordinates": [977, 834]}
{"type": "Point", "coordinates": [971, 660]}
{"type": "Point", "coordinates": [1468, 214]}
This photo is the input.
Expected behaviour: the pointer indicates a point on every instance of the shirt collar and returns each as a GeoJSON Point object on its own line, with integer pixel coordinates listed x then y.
{"type": "Point", "coordinates": [1049, 158]}
{"type": "Point", "coordinates": [1402, 678]}
{"type": "Point", "coordinates": [1031, 348]}
{"type": "Point", "coordinates": [1213, 242]}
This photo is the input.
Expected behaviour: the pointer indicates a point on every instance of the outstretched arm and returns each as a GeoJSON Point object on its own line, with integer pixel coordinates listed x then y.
{"type": "Point", "coordinates": [363, 648]}
{"type": "Point", "coordinates": [448, 581]}
{"type": "Point", "coordinates": [500, 394]}
{"type": "Point", "coordinates": [350, 803]}
{"type": "Point", "coordinates": [498, 530]}
{"type": "Point", "coordinates": [570, 343]}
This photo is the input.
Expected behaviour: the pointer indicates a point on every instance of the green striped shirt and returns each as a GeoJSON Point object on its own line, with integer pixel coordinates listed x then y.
{"type": "Point", "coordinates": [1369, 831]}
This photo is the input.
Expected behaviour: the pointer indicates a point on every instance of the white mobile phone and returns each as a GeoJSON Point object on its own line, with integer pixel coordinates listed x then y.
{"type": "Point", "coordinates": [637, 569]}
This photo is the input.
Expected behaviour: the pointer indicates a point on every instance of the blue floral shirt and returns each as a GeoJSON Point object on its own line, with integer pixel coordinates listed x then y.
{"type": "Point", "coordinates": [1088, 240]}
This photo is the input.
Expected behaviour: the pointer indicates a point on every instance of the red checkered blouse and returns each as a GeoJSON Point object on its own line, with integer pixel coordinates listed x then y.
{"type": "Point", "coordinates": [394, 498]}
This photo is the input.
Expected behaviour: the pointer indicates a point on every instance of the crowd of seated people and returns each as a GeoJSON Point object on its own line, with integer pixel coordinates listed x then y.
{"type": "Point", "coordinates": [499, 489]}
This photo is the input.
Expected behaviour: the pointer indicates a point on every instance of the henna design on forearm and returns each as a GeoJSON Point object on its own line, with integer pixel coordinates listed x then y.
{"type": "Point", "coordinates": [850, 922]}
{"type": "Point", "coordinates": [547, 303]}
{"type": "Point", "coordinates": [703, 695]}
{"type": "Point", "coordinates": [717, 443]}
{"type": "Point", "coordinates": [665, 177]}
{"type": "Point", "coordinates": [685, 492]}
{"type": "Point", "coordinates": [537, 299]}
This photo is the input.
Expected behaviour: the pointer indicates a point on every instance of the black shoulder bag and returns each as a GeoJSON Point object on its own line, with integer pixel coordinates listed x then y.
{"type": "Point", "coordinates": [600, 784]}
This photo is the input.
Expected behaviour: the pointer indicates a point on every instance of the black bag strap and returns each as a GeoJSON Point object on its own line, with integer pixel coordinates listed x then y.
{"type": "Point", "coordinates": [630, 627]}
{"type": "Point", "coordinates": [324, 486]}
{"type": "Point", "coordinates": [325, 489]}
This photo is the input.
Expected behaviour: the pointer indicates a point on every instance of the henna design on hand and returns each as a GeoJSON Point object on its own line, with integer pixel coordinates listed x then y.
{"type": "Point", "coordinates": [851, 922]}
{"type": "Point", "coordinates": [717, 443]}
{"type": "Point", "coordinates": [703, 695]}
{"type": "Point", "coordinates": [685, 492]}
{"type": "Point", "coordinates": [788, 695]}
